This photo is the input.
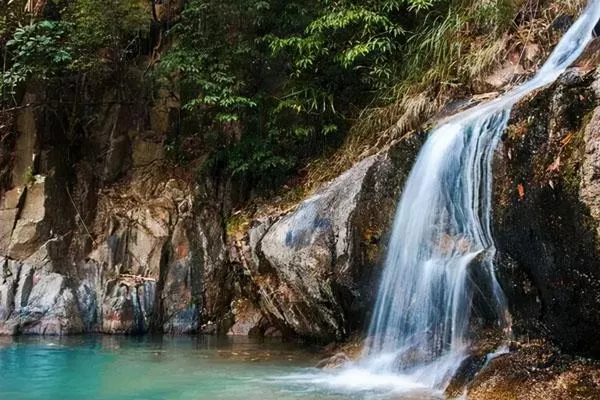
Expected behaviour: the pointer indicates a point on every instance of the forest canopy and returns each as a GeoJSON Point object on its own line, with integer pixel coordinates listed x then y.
{"type": "Point", "coordinates": [267, 85]}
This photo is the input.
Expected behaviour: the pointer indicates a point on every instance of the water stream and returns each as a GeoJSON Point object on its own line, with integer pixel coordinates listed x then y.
{"type": "Point", "coordinates": [419, 333]}
{"type": "Point", "coordinates": [441, 231]}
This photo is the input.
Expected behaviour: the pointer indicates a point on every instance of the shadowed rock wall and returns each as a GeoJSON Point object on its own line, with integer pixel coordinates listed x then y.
{"type": "Point", "coordinates": [546, 213]}
{"type": "Point", "coordinates": [99, 232]}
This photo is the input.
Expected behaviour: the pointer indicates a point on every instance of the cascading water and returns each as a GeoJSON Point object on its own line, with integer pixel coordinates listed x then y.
{"type": "Point", "coordinates": [419, 332]}
{"type": "Point", "coordinates": [442, 229]}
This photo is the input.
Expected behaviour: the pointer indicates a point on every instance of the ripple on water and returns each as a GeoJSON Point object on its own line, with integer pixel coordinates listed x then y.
{"type": "Point", "coordinates": [124, 368]}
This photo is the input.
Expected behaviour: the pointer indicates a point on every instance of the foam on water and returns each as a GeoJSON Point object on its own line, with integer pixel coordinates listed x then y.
{"type": "Point", "coordinates": [419, 333]}
{"type": "Point", "coordinates": [442, 231]}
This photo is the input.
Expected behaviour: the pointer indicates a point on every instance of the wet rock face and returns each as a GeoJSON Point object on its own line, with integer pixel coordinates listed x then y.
{"type": "Point", "coordinates": [35, 301]}
{"type": "Point", "coordinates": [148, 268]}
{"type": "Point", "coordinates": [536, 371]}
{"type": "Point", "coordinates": [111, 241]}
{"type": "Point", "coordinates": [546, 214]}
{"type": "Point", "coordinates": [315, 269]}
{"type": "Point", "coordinates": [128, 306]}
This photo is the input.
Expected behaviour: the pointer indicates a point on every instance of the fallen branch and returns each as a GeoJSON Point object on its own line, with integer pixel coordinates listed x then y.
{"type": "Point", "coordinates": [79, 216]}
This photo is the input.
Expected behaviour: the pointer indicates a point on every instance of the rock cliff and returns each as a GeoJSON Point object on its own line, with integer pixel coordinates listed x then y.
{"type": "Point", "coordinates": [546, 214]}
{"type": "Point", "coordinates": [101, 232]}
{"type": "Point", "coordinates": [314, 271]}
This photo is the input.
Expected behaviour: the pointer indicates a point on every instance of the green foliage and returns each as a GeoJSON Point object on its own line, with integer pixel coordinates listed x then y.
{"type": "Point", "coordinates": [79, 37]}
{"type": "Point", "coordinates": [11, 15]}
{"type": "Point", "coordinates": [271, 84]}
{"type": "Point", "coordinates": [39, 50]}
{"type": "Point", "coordinates": [206, 60]}
{"type": "Point", "coordinates": [220, 61]}
{"type": "Point", "coordinates": [105, 30]}
{"type": "Point", "coordinates": [348, 35]}
{"type": "Point", "coordinates": [265, 85]}
{"type": "Point", "coordinates": [342, 55]}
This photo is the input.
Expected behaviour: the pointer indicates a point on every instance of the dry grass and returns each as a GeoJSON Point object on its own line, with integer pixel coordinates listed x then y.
{"type": "Point", "coordinates": [462, 55]}
{"type": "Point", "coordinates": [462, 59]}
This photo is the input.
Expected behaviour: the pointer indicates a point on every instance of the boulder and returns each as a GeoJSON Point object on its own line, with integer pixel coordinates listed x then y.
{"type": "Point", "coordinates": [248, 319]}
{"type": "Point", "coordinates": [310, 249]}
{"type": "Point", "coordinates": [316, 268]}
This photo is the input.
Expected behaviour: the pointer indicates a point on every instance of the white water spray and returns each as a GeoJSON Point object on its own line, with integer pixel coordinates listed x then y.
{"type": "Point", "coordinates": [419, 332]}
{"type": "Point", "coordinates": [442, 229]}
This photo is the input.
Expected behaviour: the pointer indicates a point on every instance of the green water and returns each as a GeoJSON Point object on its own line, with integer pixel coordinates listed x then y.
{"type": "Point", "coordinates": [203, 367]}
{"type": "Point", "coordinates": [114, 368]}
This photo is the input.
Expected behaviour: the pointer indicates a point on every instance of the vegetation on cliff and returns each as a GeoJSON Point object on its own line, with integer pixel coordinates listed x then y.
{"type": "Point", "coordinates": [267, 87]}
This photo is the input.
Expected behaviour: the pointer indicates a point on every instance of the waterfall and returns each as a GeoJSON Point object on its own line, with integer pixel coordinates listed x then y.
{"type": "Point", "coordinates": [419, 332]}
{"type": "Point", "coordinates": [442, 230]}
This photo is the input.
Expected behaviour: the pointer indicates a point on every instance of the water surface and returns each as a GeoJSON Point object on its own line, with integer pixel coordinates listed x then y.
{"type": "Point", "coordinates": [106, 367]}
{"type": "Point", "coordinates": [204, 367]}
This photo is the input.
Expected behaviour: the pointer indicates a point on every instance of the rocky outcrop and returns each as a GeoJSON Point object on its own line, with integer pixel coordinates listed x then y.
{"type": "Point", "coordinates": [104, 234]}
{"type": "Point", "coordinates": [311, 251]}
{"type": "Point", "coordinates": [546, 214]}
{"type": "Point", "coordinates": [34, 300]}
{"type": "Point", "coordinates": [536, 371]}
{"type": "Point", "coordinates": [314, 270]}
{"type": "Point", "coordinates": [145, 248]}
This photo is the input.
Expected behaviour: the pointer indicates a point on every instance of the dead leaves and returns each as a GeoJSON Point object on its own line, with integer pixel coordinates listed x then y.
{"type": "Point", "coordinates": [566, 140]}
{"type": "Point", "coordinates": [521, 191]}
{"type": "Point", "coordinates": [555, 165]}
